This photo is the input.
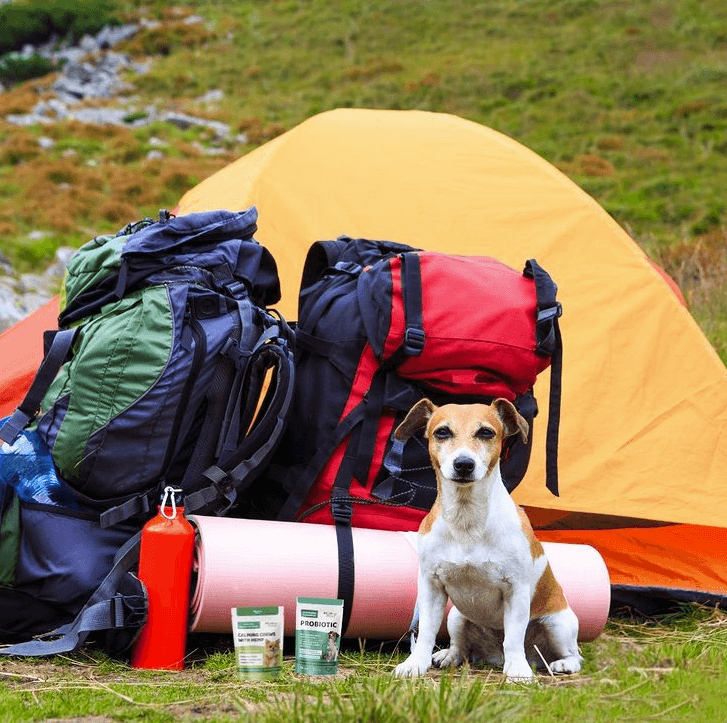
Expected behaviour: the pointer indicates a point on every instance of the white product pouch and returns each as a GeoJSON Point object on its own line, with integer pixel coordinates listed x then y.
{"type": "Point", "coordinates": [258, 635]}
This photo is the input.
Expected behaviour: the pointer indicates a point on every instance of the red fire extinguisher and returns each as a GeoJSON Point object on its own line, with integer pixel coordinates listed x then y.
{"type": "Point", "coordinates": [165, 568]}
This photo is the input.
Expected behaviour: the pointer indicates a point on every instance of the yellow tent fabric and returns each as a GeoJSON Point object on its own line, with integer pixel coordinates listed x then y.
{"type": "Point", "coordinates": [644, 411]}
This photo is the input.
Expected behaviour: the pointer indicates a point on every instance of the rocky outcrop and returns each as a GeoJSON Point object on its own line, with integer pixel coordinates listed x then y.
{"type": "Point", "coordinates": [91, 70]}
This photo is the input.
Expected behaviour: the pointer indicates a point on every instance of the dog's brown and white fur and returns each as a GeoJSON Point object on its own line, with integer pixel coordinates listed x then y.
{"type": "Point", "coordinates": [477, 548]}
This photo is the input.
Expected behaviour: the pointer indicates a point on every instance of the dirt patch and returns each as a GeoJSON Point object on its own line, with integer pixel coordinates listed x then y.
{"type": "Point", "coordinates": [27, 673]}
{"type": "Point", "coordinates": [588, 164]}
{"type": "Point", "coordinates": [651, 58]}
{"type": "Point", "coordinates": [198, 693]}
{"type": "Point", "coordinates": [698, 267]}
{"type": "Point", "coordinates": [662, 17]}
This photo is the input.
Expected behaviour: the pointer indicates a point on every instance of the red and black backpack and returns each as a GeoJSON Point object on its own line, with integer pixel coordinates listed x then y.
{"type": "Point", "coordinates": [380, 326]}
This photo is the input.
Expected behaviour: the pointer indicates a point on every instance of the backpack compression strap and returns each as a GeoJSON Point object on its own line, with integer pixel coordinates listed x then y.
{"type": "Point", "coordinates": [299, 485]}
{"type": "Point", "coordinates": [549, 340]}
{"type": "Point", "coordinates": [234, 475]}
{"type": "Point", "coordinates": [413, 343]}
{"type": "Point", "coordinates": [58, 346]}
{"type": "Point", "coordinates": [107, 609]}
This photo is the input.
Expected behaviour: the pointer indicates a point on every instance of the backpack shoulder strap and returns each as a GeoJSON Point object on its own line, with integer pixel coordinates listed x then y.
{"type": "Point", "coordinates": [237, 469]}
{"type": "Point", "coordinates": [411, 289]}
{"type": "Point", "coordinates": [58, 350]}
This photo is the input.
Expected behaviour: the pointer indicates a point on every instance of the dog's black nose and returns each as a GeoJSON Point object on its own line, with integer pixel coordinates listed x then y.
{"type": "Point", "coordinates": [464, 466]}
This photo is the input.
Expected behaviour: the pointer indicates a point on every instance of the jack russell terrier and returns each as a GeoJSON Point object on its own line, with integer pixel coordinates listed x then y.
{"type": "Point", "coordinates": [477, 548]}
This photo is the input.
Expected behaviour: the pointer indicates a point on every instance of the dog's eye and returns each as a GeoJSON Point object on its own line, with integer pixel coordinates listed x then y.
{"type": "Point", "coordinates": [442, 433]}
{"type": "Point", "coordinates": [485, 433]}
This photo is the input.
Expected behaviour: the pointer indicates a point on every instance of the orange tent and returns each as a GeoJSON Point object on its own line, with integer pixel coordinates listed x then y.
{"type": "Point", "coordinates": [21, 351]}
{"type": "Point", "coordinates": [643, 446]}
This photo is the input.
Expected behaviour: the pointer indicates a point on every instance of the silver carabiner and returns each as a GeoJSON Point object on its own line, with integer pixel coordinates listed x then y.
{"type": "Point", "coordinates": [170, 492]}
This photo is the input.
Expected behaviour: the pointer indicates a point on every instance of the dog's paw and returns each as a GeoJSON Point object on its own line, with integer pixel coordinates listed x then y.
{"type": "Point", "coordinates": [411, 668]}
{"type": "Point", "coordinates": [447, 658]}
{"type": "Point", "coordinates": [518, 671]}
{"type": "Point", "coordinates": [567, 666]}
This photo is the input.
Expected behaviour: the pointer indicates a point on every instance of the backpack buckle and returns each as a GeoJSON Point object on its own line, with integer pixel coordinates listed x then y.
{"type": "Point", "coordinates": [128, 611]}
{"type": "Point", "coordinates": [342, 510]}
{"type": "Point", "coordinates": [551, 312]}
{"type": "Point", "coordinates": [414, 340]}
{"type": "Point", "coordinates": [547, 342]}
{"type": "Point", "coordinates": [348, 267]}
{"type": "Point", "coordinates": [237, 290]}
{"type": "Point", "coordinates": [232, 350]}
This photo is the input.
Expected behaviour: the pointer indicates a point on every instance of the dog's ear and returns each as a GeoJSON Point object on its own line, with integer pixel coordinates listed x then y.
{"type": "Point", "coordinates": [512, 421]}
{"type": "Point", "coordinates": [415, 420]}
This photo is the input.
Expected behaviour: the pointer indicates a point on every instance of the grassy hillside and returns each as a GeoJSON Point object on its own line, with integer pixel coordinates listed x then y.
{"type": "Point", "coordinates": [626, 98]}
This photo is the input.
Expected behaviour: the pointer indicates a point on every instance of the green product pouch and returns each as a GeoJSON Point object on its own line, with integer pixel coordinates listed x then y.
{"type": "Point", "coordinates": [318, 624]}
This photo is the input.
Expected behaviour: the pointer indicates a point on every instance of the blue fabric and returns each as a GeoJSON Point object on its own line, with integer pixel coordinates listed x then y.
{"type": "Point", "coordinates": [63, 552]}
{"type": "Point", "coordinates": [207, 240]}
{"type": "Point", "coordinates": [194, 227]}
{"type": "Point", "coordinates": [28, 467]}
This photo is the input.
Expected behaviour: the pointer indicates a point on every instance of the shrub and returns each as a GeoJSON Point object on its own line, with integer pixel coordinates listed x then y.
{"type": "Point", "coordinates": [38, 21]}
{"type": "Point", "coordinates": [16, 69]}
{"type": "Point", "coordinates": [169, 37]}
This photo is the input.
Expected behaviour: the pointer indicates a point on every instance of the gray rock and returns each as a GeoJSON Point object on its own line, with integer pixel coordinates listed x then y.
{"type": "Point", "coordinates": [212, 96]}
{"type": "Point", "coordinates": [20, 296]}
{"type": "Point", "coordinates": [184, 121]}
{"type": "Point", "coordinates": [99, 116]}
{"type": "Point", "coordinates": [83, 80]}
{"type": "Point", "coordinates": [5, 266]}
{"type": "Point", "coordinates": [16, 301]}
{"type": "Point", "coordinates": [111, 36]}
{"type": "Point", "coordinates": [27, 119]}
{"type": "Point", "coordinates": [89, 44]}
{"type": "Point", "coordinates": [54, 273]}
{"type": "Point", "coordinates": [10, 313]}
{"type": "Point", "coordinates": [93, 71]}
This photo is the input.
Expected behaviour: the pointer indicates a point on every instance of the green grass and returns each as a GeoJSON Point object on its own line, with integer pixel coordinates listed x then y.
{"type": "Point", "coordinates": [667, 670]}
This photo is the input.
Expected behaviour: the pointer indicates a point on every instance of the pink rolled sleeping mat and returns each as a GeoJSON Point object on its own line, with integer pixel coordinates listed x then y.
{"type": "Point", "coordinates": [244, 563]}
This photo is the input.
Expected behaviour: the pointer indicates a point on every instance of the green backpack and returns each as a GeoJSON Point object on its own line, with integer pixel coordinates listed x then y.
{"type": "Point", "coordinates": [168, 370]}
{"type": "Point", "coordinates": [166, 344]}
